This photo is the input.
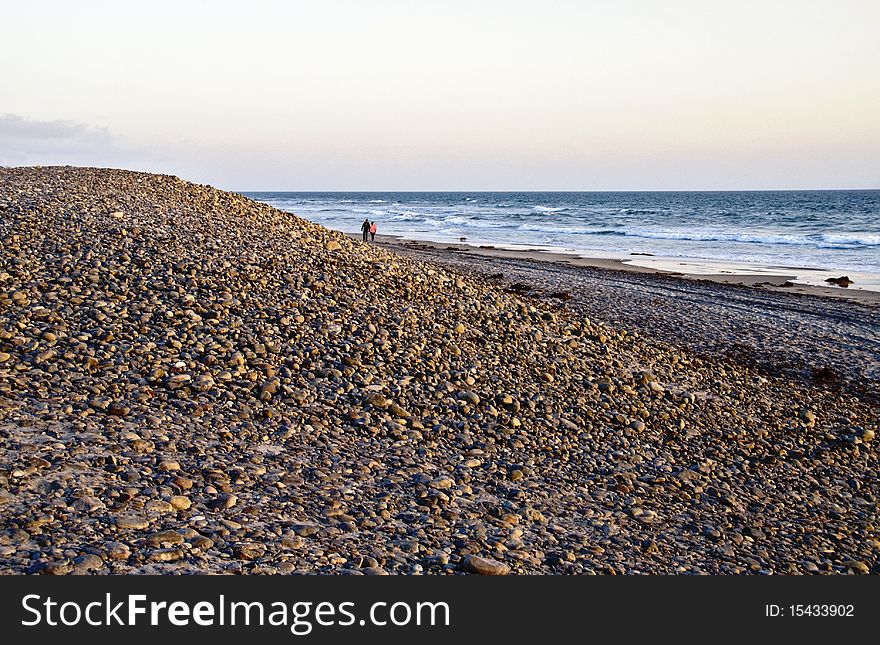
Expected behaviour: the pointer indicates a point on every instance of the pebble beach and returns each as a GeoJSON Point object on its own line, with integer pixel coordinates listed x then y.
{"type": "Point", "coordinates": [195, 382]}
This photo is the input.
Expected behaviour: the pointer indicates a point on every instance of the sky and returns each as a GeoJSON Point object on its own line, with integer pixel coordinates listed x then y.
{"type": "Point", "coordinates": [449, 95]}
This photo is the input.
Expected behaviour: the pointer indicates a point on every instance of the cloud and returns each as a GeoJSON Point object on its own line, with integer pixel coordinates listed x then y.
{"type": "Point", "coordinates": [25, 142]}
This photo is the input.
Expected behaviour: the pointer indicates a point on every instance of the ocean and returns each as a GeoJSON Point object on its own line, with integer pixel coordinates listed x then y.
{"type": "Point", "coordinates": [835, 230]}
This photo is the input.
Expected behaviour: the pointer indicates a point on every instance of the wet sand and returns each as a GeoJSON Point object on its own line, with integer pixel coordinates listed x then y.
{"type": "Point", "coordinates": [775, 279]}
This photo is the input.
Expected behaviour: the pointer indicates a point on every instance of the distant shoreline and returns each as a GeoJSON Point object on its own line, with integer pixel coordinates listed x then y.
{"type": "Point", "coordinates": [774, 279]}
{"type": "Point", "coordinates": [250, 193]}
{"type": "Point", "coordinates": [802, 237]}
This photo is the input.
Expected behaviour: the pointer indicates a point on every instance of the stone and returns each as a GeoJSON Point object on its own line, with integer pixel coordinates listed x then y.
{"type": "Point", "coordinates": [224, 501]}
{"type": "Point", "coordinates": [132, 522]}
{"type": "Point", "coordinates": [808, 417]}
{"type": "Point", "coordinates": [484, 566]}
{"type": "Point", "coordinates": [201, 542]}
{"type": "Point", "coordinates": [305, 530]}
{"type": "Point", "coordinates": [158, 506]}
{"type": "Point", "coordinates": [117, 550]}
{"type": "Point", "coordinates": [443, 482]}
{"type": "Point", "coordinates": [249, 550]}
{"type": "Point", "coordinates": [166, 555]}
{"type": "Point", "coordinates": [857, 566]}
{"type": "Point", "coordinates": [180, 502]}
{"type": "Point", "coordinates": [377, 400]}
{"type": "Point", "coordinates": [142, 446]}
{"type": "Point", "coordinates": [470, 397]}
{"type": "Point", "coordinates": [88, 562]}
{"type": "Point", "coordinates": [118, 409]}
{"type": "Point", "coordinates": [165, 539]}
{"type": "Point", "coordinates": [61, 568]}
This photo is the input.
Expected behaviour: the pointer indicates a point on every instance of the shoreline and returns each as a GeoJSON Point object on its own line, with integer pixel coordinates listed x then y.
{"type": "Point", "coordinates": [818, 336]}
{"type": "Point", "coordinates": [779, 281]}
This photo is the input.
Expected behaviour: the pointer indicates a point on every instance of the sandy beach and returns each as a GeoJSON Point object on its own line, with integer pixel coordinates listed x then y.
{"type": "Point", "coordinates": [195, 382]}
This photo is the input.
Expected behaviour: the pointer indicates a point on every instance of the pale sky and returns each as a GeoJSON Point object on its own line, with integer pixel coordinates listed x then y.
{"type": "Point", "coordinates": [449, 95]}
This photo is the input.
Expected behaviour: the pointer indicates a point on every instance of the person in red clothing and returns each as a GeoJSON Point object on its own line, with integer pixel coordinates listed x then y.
{"type": "Point", "coordinates": [373, 229]}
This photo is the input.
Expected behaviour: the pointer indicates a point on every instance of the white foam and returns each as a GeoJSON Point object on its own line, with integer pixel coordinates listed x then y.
{"type": "Point", "coordinates": [549, 209]}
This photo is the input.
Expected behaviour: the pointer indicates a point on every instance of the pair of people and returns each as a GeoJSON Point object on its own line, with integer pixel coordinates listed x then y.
{"type": "Point", "coordinates": [369, 228]}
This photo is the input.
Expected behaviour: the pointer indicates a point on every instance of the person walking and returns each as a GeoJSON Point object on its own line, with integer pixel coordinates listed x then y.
{"type": "Point", "coordinates": [365, 229]}
{"type": "Point", "coordinates": [373, 229]}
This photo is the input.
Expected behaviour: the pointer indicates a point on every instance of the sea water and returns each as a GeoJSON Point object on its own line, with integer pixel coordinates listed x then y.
{"type": "Point", "coordinates": [836, 230]}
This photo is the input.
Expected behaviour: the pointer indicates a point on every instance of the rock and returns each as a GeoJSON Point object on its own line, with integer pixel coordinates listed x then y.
{"type": "Point", "coordinates": [857, 566]}
{"type": "Point", "coordinates": [178, 381]}
{"type": "Point", "coordinates": [117, 550]}
{"type": "Point", "coordinates": [201, 542]}
{"type": "Point", "coordinates": [203, 382]}
{"type": "Point", "coordinates": [842, 281]}
{"type": "Point", "coordinates": [101, 403]}
{"type": "Point", "coordinates": [61, 568]}
{"type": "Point", "coordinates": [398, 411]}
{"type": "Point", "coordinates": [808, 417]}
{"type": "Point", "coordinates": [118, 409]}
{"type": "Point", "coordinates": [376, 400]}
{"type": "Point", "coordinates": [644, 515]}
{"type": "Point", "coordinates": [470, 397]}
{"type": "Point", "coordinates": [333, 245]}
{"type": "Point", "coordinates": [437, 560]}
{"type": "Point", "coordinates": [87, 504]}
{"type": "Point", "coordinates": [166, 555]}
{"type": "Point", "coordinates": [224, 501]}
{"type": "Point", "coordinates": [249, 550]}
{"type": "Point", "coordinates": [295, 542]}
{"type": "Point", "coordinates": [232, 525]}
{"type": "Point", "coordinates": [484, 566]}
{"type": "Point", "coordinates": [305, 530]}
{"type": "Point", "coordinates": [180, 502]}
{"type": "Point", "coordinates": [142, 446]}
{"type": "Point", "coordinates": [165, 539]}
{"type": "Point", "coordinates": [158, 506]}
{"type": "Point", "coordinates": [132, 522]}
{"type": "Point", "coordinates": [88, 562]}
{"type": "Point", "coordinates": [443, 482]}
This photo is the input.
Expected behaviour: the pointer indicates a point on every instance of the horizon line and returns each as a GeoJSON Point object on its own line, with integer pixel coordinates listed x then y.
{"type": "Point", "coordinates": [638, 190]}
